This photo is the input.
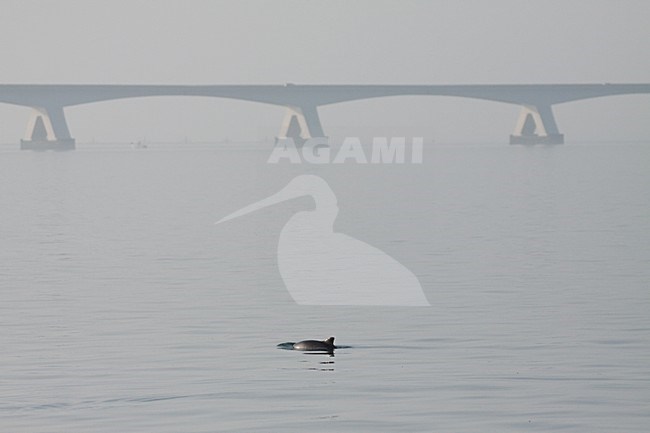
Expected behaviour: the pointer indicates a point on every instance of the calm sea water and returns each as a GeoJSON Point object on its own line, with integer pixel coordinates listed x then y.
{"type": "Point", "coordinates": [124, 308]}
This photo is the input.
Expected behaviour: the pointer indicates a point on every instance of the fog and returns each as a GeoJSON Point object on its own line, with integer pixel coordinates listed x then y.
{"type": "Point", "coordinates": [361, 42]}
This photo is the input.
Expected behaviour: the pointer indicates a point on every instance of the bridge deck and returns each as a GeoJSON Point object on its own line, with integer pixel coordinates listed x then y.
{"type": "Point", "coordinates": [64, 95]}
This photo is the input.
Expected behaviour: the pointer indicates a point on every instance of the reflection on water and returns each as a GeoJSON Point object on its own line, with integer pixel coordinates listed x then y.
{"type": "Point", "coordinates": [325, 366]}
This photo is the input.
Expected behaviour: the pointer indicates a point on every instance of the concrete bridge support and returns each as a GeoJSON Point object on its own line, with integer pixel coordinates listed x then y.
{"type": "Point", "coordinates": [300, 124]}
{"type": "Point", "coordinates": [47, 130]}
{"type": "Point", "coordinates": [536, 125]}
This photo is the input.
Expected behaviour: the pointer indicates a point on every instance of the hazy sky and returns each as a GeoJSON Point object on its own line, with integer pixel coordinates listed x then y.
{"type": "Point", "coordinates": [437, 42]}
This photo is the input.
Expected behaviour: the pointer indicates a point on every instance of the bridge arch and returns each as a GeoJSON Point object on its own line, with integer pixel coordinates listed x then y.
{"type": "Point", "coordinates": [594, 119]}
{"type": "Point", "coordinates": [429, 116]}
{"type": "Point", "coordinates": [199, 118]}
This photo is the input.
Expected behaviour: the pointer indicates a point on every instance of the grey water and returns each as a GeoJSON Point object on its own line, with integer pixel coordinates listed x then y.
{"type": "Point", "coordinates": [124, 308]}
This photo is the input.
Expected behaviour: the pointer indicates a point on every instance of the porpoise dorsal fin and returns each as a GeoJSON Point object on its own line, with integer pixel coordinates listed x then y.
{"type": "Point", "coordinates": [329, 341]}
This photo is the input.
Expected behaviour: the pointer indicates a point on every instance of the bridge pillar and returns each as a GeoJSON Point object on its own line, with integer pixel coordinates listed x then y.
{"type": "Point", "coordinates": [536, 125]}
{"type": "Point", "coordinates": [47, 130]}
{"type": "Point", "coordinates": [300, 124]}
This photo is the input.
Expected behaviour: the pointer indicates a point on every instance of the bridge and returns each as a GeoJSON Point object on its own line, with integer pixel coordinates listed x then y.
{"type": "Point", "coordinates": [47, 127]}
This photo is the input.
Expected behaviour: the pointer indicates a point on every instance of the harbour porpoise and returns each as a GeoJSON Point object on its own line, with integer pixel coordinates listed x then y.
{"type": "Point", "coordinates": [315, 345]}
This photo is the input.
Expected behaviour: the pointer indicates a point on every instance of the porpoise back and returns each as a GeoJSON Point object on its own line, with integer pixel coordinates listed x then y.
{"type": "Point", "coordinates": [327, 345]}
